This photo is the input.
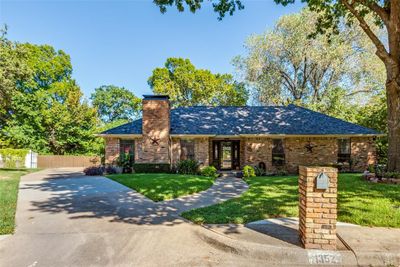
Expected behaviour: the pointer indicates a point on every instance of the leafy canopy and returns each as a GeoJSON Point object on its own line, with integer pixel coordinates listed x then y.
{"type": "Point", "coordinates": [115, 103]}
{"type": "Point", "coordinates": [188, 86]}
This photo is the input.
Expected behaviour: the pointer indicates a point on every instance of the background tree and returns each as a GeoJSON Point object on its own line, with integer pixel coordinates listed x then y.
{"type": "Point", "coordinates": [115, 103]}
{"type": "Point", "coordinates": [188, 86]}
{"type": "Point", "coordinates": [13, 68]}
{"type": "Point", "coordinates": [386, 14]}
{"type": "Point", "coordinates": [285, 66]}
{"type": "Point", "coordinates": [46, 110]}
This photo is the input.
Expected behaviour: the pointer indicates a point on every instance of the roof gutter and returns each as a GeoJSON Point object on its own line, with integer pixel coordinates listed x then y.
{"type": "Point", "coordinates": [119, 135]}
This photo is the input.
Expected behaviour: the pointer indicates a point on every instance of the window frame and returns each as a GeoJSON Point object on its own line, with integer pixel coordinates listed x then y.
{"type": "Point", "coordinates": [123, 143]}
{"type": "Point", "coordinates": [189, 154]}
{"type": "Point", "coordinates": [343, 157]}
{"type": "Point", "coordinates": [281, 154]}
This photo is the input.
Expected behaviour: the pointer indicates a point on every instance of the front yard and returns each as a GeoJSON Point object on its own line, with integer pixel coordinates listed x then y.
{"type": "Point", "coordinates": [359, 202]}
{"type": "Point", "coordinates": [9, 180]}
{"type": "Point", "coordinates": [163, 186]}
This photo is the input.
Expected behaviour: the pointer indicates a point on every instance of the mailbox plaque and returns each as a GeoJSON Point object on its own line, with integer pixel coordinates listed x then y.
{"type": "Point", "coordinates": [322, 181]}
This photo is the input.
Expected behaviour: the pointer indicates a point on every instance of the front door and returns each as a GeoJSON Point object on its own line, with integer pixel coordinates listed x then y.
{"type": "Point", "coordinates": [226, 154]}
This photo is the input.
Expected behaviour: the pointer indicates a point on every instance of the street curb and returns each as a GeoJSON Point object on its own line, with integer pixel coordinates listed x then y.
{"type": "Point", "coordinates": [274, 254]}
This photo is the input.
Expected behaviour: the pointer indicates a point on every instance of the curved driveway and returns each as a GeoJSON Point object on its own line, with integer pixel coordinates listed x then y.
{"type": "Point", "coordinates": [67, 219]}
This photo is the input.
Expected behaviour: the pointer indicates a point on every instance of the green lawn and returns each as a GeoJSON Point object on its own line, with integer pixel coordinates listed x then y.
{"type": "Point", "coordinates": [9, 180]}
{"type": "Point", "coordinates": [163, 186]}
{"type": "Point", "coordinates": [359, 202]}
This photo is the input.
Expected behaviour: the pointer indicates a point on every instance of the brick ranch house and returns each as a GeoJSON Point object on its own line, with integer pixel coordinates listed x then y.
{"type": "Point", "coordinates": [272, 137]}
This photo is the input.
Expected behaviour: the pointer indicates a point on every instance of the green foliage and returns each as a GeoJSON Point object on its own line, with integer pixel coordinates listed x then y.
{"type": "Point", "coordinates": [188, 166]}
{"type": "Point", "coordinates": [209, 171]}
{"type": "Point", "coordinates": [13, 68]}
{"type": "Point", "coordinates": [163, 186]}
{"type": "Point", "coordinates": [46, 112]}
{"type": "Point", "coordinates": [188, 86]}
{"type": "Point", "coordinates": [13, 158]}
{"type": "Point", "coordinates": [258, 171]}
{"type": "Point", "coordinates": [248, 171]}
{"type": "Point", "coordinates": [115, 103]}
{"type": "Point", "coordinates": [151, 167]}
{"type": "Point", "coordinates": [285, 66]}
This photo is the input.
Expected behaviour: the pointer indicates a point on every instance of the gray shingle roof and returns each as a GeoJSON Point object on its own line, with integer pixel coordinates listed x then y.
{"type": "Point", "coordinates": [290, 120]}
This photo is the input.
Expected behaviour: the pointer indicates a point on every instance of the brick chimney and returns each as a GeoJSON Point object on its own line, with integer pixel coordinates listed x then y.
{"type": "Point", "coordinates": [155, 129]}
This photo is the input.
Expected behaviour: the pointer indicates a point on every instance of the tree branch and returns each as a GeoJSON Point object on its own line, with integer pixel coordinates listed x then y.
{"type": "Point", "coordinates": [381, 50]}
{"type": "Point", "coordinates": [380, 11]}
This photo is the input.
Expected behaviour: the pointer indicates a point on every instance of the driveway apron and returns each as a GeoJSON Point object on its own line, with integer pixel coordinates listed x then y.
{"type": "Point", "coordinates": [67, 219]}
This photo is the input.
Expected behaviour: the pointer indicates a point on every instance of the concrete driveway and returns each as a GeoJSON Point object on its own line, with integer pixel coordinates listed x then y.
{"type": "Point", "coordinates": [67, 219]}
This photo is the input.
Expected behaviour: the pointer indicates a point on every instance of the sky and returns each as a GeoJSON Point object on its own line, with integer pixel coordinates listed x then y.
{"type": "Point", "coordinates": [121, 42]}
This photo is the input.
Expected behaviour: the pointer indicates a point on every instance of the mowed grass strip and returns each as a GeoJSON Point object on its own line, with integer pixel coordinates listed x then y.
{"type": "Point", "coordinates": [359, 202]}
{"type": "Point", "coordinates": [9, 182]}
{"type": "Point", "coordinates": [163, 186]}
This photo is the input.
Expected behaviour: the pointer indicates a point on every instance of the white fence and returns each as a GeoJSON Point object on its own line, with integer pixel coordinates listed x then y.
{"type": "Point", "coordinates": [30, 160]}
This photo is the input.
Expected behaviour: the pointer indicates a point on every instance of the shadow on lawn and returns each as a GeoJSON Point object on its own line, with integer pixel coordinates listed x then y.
{"type": "Point", "coordinates": [97, 197]}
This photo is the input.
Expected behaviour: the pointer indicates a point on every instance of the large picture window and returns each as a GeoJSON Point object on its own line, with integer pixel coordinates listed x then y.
{"type": "Point", "coordinates": [187, 149]}
{"type": "Point", "coordinates": [344, 150]}
{"type": "Point", "coordinates": [127, 150]}
{"type": "Point", "coordinates": [278, 152]}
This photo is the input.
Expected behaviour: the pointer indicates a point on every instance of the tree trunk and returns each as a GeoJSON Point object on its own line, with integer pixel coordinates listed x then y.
{"type": "Point", "coordinates": [393, 106]}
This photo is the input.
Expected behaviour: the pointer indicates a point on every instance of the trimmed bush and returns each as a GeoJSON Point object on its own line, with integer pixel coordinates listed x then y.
{"type": "Point", "coordinates": [209, 171]}
{"type": "Point", "coordinates": [248, 171]}
{"type": "Point", "coordinates": [259, 171]}
{"type": "Point", "coordinates": [188, 166]}
{"type": "Point", "coordinates": [13, 158]}
{"type": "Point", "coordinates": [94, 171]}
{"type": "Point", "coordinates": [151, 167]}
{"type": "Point", "coordinates": [113, 170]}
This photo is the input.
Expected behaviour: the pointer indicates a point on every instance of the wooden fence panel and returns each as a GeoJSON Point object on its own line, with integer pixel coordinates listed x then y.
{"type": "Point", "coordinates": [60, 161]}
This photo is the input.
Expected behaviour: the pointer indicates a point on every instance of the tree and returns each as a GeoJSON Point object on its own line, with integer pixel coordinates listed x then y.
{"type": "Point", "coordinates": [13, 68]}
{"type": "Point", "coordinates": [386, 14]}
{"type": "Point", "coordinates": [46, 111]}
{"type": "Point", "coordinates": [285, 66]}
{"type": "Point", "coordinates": [115, 103]}
{"type": "Point", "coordinates": [188, 86]}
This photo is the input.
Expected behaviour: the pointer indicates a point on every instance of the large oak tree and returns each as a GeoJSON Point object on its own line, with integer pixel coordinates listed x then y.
{"type": "Point", "coordinates": [386, 14]}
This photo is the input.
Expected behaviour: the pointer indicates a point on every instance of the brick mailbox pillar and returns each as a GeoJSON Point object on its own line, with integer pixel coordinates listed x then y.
{"type": "Point", "coordinates": [317, 207]}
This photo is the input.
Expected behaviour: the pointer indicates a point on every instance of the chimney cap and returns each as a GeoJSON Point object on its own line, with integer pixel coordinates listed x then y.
{"type": "Point", "coordinates": [155, 97]}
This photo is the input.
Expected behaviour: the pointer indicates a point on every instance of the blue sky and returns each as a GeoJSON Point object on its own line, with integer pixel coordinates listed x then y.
{"type": "Point", "coordinates": [121, 42]}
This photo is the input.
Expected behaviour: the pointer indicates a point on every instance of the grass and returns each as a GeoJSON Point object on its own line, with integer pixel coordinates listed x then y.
{"type": "Point", "coordinates": [163, 186]}
{"type": "Point", "coordinates": [359, 202]}
{"type": "Point", "coordinates": [9, 181]}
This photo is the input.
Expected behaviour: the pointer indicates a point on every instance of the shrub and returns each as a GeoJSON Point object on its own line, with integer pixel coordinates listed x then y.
{"type": "Point", "coordinates": [188, 166]}
{"type": "Point", "coordinates": [209, 171]}
{"type": "Point", "coordinates": [13, 158]}
{"type": "Point", "coordinates": [259, 171]}
{"type": "Point", "coordinates": [94, 170]}
{"type": "Point", "coordinates": [113, 170]}
{"type": "Point", "coordinates": [248, 171]}
{"type": "Point", "coordinates": [392, 175]}
{"type": "Point", "coordinates": [151, 167]}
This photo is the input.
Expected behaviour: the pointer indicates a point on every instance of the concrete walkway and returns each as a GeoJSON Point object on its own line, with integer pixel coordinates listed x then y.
{"type": "Point", "coordinates": [67, 219]}
{"type": "Point", "coordinates": [223, 189]}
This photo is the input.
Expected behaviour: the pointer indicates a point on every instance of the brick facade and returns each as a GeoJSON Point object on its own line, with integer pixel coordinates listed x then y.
{"type": "Point", "coordinates": [317, 209]}
{"type": "Point", "coordinates": [111, 150]}
{"type": "Point", "coordinates": [154, 147]}
{"type": "Point", "coordinates": [255, 150]}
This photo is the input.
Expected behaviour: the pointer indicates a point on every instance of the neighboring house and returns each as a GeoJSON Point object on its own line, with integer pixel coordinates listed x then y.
{"type": "Point", "coordinates": [277, 137]}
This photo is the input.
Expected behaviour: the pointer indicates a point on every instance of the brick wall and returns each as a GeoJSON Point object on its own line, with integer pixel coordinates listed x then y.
{"type": "Point", "coordinates": [317, 209]}
{"type": "Point", "coordinates": [324, 152]}
{"type": "Point", "coordinates": [363, 152]}
{"type": "Point", "coordinates": [155, 129]}
{"type": "Point", "coordinates": [111, 150]}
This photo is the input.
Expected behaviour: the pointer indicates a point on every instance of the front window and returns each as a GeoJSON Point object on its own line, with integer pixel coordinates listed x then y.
{"type": "Point", "coordinates": [278, 152]}
{"type": "Point", "coordinates": [187, 149]}
{"type": "Point", "coordinates": [344, 150]}
{"type": "Point", "coordinates": [127, 150]}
